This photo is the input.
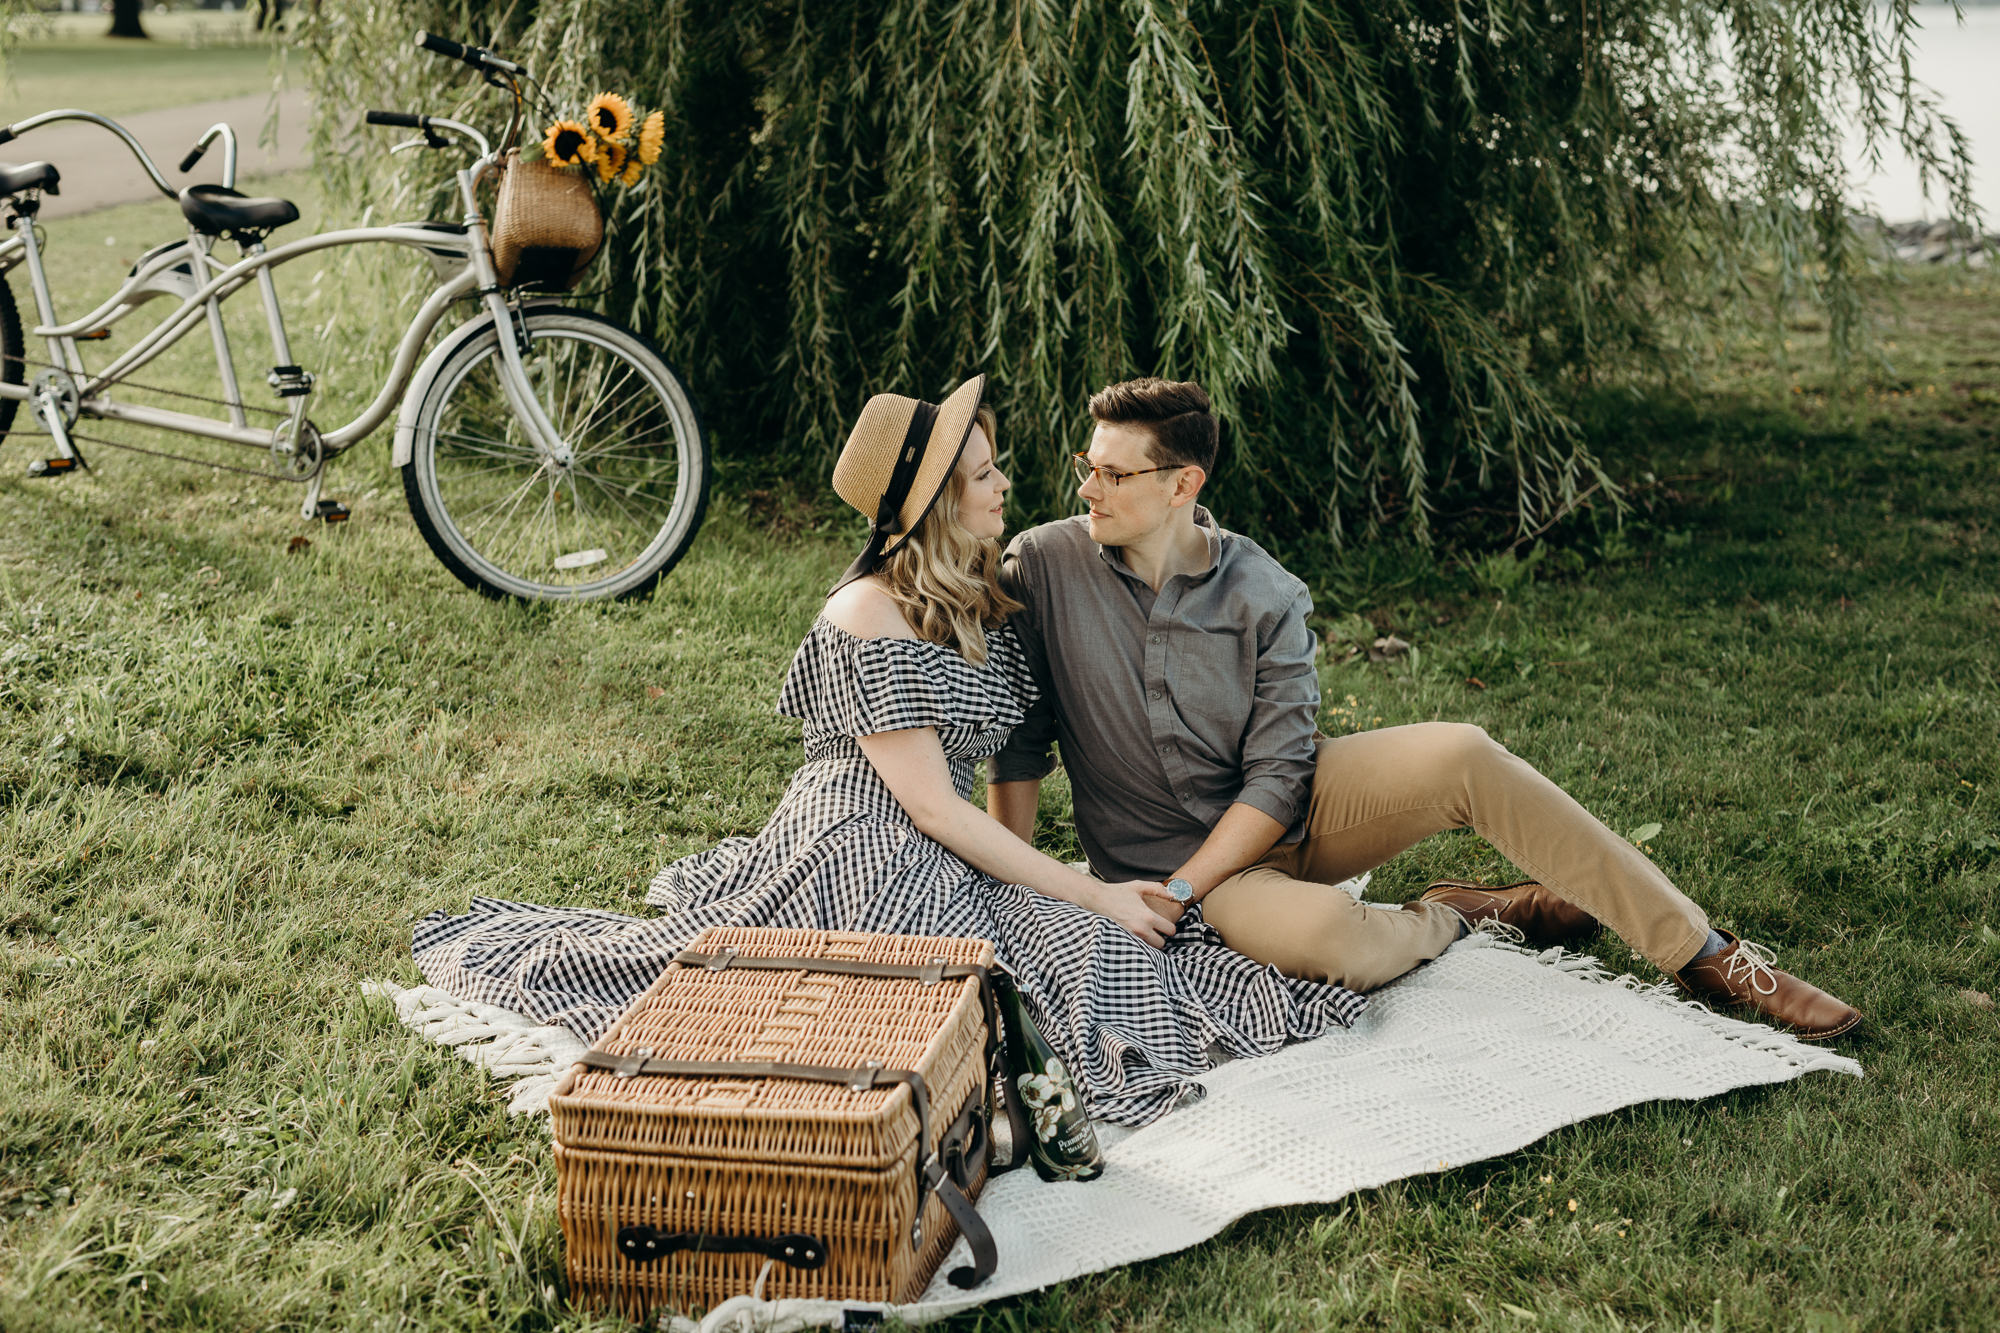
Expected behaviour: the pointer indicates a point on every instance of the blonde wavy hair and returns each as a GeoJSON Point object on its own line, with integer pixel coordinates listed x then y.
{"type": "Point", "coordinates": [945, 580]}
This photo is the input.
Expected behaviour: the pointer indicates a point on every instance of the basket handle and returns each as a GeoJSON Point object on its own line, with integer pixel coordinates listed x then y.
{"type": "Point", "coordinates": [644, 1245]}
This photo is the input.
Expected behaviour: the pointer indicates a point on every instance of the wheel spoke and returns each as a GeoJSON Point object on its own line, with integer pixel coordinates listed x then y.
{"type": "Point", "coordinates": [505, 514]}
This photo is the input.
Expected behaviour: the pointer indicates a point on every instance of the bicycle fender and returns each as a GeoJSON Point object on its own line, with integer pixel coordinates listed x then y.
{"type": "Point", "coordinates": [420, 385]}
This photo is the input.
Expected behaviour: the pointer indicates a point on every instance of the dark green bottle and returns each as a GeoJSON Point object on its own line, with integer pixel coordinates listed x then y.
{"type": "Point", "coordinates": [1062, 1142]}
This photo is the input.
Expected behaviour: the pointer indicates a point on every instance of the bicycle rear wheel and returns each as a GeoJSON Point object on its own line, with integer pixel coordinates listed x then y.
{"type": "Point", "coordinates": [510, 522]}
{"type": "Point", "coordinates": [13, 370]}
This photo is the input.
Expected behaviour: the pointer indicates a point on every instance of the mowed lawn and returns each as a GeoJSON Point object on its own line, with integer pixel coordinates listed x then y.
{"type": "Point", "coordinates": [232, 775]}
{"type": "Point", "coordinates": [65, 60]}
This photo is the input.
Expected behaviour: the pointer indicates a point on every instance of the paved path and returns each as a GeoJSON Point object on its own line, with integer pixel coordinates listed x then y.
{"type": "Point", "coordinates": [99, 171]}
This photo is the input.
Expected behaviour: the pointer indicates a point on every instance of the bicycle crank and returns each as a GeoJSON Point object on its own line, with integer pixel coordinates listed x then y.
{"type": "Point", "coordinates": [58, 403]}
{"type": "Point", "coordinates": [296, 451]}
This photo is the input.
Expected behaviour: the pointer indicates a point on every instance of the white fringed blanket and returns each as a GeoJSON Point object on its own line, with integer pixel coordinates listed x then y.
{"type": "Point", "coordinates": [1480, 1053]}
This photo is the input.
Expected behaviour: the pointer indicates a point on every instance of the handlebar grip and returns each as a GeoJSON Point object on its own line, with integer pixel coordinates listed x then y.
{"type": "Point", "coordinates": [471, 55]}
{"type": "Point", "coordinates": [444, 46]}
{"type": "Point", "coordinates": [400, 119]}
{"type": "Point", "coordinates": [194, 155]}
{"type": "Point", "coordinates": [6, 133]}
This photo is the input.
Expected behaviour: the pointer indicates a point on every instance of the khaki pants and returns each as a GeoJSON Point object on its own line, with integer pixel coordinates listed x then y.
{"type": "Point", "coordinates": [1378, 792]}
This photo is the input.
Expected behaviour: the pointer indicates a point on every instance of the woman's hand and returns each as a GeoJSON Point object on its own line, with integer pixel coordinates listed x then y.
{"type": "Point", "coordinates": [1135, 905]}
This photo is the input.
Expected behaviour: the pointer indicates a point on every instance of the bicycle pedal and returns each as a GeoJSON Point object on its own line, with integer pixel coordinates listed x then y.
{"type": "Point", "coordinates": [331, 511]}
{"type": "Point", "coordinates": [51, 467]}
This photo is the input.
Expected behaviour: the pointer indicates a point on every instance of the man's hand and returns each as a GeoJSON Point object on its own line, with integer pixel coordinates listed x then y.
{"type": "Point", "coordinates": [1165, 903]}
{"type": "Point", "coordinates": [1135, 905]}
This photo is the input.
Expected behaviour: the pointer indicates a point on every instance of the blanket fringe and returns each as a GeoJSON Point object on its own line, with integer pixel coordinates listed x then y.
{"type": "Point", "coordinates": [506, 1043]}
{"type": "Point", "coordinates": [1765, 1040]}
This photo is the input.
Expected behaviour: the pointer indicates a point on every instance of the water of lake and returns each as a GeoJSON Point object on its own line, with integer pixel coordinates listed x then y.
{"type": "Point", "coordinates": [1960, 62]}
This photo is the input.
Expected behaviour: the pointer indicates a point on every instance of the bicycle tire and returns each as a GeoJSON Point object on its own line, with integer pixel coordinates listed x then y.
{"type": "Point", "coordinates": [13, 369]}
{"type": "Point", "coordinates": [626, 415]}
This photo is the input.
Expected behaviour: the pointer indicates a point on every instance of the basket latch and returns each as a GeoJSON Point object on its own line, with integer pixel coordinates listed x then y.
{"type": "Point", "coordinates": [862, 1079]}
{"type": "Point", "coordinates": [932, 973]}
{"type": "Point", "coordinates": [721, 959]}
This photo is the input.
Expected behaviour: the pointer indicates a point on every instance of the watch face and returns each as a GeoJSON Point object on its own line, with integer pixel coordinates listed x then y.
{"type": "Point", "coordinates": [1181, 889]}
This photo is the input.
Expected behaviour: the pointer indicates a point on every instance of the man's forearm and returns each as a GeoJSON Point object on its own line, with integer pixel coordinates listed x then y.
{"type": "Point", "coordinates": [1014, 804]}
{"type": "Point", "coordinates": [1239, 840]}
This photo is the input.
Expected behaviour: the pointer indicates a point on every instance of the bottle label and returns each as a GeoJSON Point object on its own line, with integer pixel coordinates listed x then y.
{"type": "Point", "coordinates": [1049, 1096]}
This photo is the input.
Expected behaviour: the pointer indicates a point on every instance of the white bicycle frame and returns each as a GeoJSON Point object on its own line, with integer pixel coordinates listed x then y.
{"type": "Point", "coordinates": [207, 282]}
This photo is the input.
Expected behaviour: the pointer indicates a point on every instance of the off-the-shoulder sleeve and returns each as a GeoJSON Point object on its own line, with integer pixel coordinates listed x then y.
{"type": "Point", "coordinates": [859, 687]}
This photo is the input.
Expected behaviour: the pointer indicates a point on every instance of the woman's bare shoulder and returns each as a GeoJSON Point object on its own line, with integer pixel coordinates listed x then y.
{"type": "Point", "coordinates": [864, 609]}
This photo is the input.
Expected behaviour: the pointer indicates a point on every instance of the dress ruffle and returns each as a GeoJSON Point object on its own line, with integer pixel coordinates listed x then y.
{"type": "Point", "coordinates": [842, 685]}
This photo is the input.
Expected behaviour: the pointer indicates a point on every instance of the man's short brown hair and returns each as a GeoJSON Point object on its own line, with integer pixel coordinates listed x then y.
{"type": "Point", "coordinates": [1177, 414]}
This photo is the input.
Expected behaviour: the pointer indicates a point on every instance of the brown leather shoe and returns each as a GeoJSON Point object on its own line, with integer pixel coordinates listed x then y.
{"type": "Point", "coordinates": [1528, 907]}
{"type": "Point", "coordinates": [1742, 974]}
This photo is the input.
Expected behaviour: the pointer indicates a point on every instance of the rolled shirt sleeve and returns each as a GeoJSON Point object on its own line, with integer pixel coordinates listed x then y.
{"type": "Point", "coordinates": [1278, 742]}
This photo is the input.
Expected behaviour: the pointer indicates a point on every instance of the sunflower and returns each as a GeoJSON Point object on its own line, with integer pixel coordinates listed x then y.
{"type": "Point", "coordinates": [651, 135]}
{"type": "Point", "coordinates": [611, 159]}
{"type": "Point", "coordinates": [611, 116]}
{"type": "Point", "coordinates": [568, 144]}
{"type": "Point", "coordinates": [633, 167]}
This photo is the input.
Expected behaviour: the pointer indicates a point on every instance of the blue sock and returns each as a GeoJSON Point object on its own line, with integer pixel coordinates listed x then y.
{"type": "Point", "coordinates": [1716, 944]}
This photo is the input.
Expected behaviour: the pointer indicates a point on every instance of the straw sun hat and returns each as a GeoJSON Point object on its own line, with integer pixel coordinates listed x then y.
{"type": "Point", "coordinates": [897, 460]}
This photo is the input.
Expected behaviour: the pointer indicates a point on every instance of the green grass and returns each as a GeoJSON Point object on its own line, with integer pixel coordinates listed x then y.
{"type": "Point", "coordinates": [231, 777]}
{"type": "Point", "coordinates": [66, 61]}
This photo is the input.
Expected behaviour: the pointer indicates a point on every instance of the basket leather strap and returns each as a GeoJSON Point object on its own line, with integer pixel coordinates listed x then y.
{"type": "Point", "coordinates": [1018, 1127]}
{"type": "Point", "coordinates": [978, 1236]}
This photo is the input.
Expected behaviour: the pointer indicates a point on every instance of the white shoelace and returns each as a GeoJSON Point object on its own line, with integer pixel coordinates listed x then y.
{"type": "Point", "coordinates": [1500, 930]}
{"type": "Point", "coordinates": [1755, 966]}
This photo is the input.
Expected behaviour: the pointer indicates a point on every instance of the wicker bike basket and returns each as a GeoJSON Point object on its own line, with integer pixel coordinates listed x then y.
{"type": "Point", "coordinates": [800, 1113]}
{"type": "Point", "coordinates": [546, 225]}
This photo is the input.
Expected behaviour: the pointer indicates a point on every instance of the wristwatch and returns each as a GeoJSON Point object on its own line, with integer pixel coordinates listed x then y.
{"type": "Point", "coordinates": [1181, 889]}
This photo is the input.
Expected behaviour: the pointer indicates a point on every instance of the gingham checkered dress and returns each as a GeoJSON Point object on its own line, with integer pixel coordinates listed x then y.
{"type": "Point", "coordinates": [1135, 1023]}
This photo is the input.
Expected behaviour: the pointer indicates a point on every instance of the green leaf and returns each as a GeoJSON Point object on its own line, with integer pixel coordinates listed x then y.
{"type": "Point", "coordinates": [1644, 834]}
{"type": "Point", "coordinates": [1991, 936]}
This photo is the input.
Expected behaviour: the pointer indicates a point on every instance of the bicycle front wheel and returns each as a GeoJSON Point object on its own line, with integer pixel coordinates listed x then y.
{"type": "Point", "coordinates": [508, 520]}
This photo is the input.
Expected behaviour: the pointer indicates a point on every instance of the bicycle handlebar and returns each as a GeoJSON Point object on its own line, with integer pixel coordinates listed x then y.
{"type": "Point", "coordinates": [402, 120]}
{"type": "Point", "coordinates": [471, 55]}
{"type": "Point", "coordinates": [21, 127]}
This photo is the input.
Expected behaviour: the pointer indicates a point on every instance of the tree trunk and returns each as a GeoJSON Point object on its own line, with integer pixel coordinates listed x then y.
{"type": "Point", "coordinates": [125, 18]}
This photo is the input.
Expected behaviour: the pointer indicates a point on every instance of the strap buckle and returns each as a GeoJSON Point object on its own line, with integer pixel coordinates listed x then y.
{"type": "Point", "coordinates": [632, 1065]}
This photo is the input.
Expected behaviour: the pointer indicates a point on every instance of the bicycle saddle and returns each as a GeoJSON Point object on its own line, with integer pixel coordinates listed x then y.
{"type": "Point", "coordinates": [216, 210]}
{"type": "Point", "coordinates": [44, 175]}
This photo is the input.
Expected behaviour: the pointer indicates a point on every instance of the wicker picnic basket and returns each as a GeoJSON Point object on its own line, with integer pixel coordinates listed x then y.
{"type": "Point", "coordinates": [547, 227]}
{"type": "Point", "coordinates": [788, 1113]}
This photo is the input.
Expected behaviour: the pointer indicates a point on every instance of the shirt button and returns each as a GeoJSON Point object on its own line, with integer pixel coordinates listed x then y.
{"type": "Point", "coordinates": [1158, 694]}
{"type": "Point", "coordinates": [1157, 638]}
{"type": "Point", "coordinates": [1166, 749]}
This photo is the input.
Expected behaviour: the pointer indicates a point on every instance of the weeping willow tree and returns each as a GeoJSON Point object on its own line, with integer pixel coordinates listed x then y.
{"type": "Point", "coordinates": [1391, 237]}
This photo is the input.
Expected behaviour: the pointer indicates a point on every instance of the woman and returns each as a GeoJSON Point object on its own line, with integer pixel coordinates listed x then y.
{"type": "Point", "coordinates": [908, 677]}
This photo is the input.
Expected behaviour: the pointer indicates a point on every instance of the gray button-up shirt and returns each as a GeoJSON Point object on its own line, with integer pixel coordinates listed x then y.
{"type": "Point", "coordinates": [1168, 706]}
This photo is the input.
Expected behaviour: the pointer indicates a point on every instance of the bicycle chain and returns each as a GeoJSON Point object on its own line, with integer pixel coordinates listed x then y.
{"type": "Point", "coordinates": [170, 393]}
{"type": "Point", "coordinates": [188, 458]}
{"type": "Point", "coordinates": [265, 474]}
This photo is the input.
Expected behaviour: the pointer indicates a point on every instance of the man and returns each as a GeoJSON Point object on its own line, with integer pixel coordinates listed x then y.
{"type": "Point", "coordinates": [1177, 675]}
